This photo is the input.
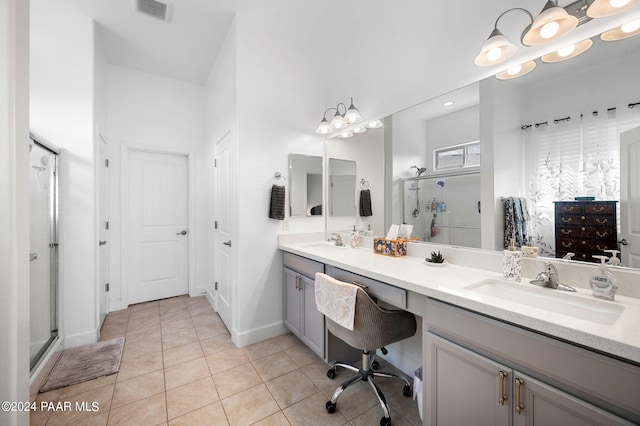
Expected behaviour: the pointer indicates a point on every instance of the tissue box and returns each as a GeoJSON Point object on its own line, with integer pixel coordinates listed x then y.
{"type": "Point", "coordinates": [387, 247]}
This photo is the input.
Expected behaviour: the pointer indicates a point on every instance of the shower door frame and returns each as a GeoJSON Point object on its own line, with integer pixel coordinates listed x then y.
{"type": "Point", "coordinates": [54, 253]}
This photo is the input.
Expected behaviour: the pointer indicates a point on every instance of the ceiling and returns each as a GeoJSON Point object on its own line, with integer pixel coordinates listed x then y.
{"type": "Point", "coordinates": [183, 49]}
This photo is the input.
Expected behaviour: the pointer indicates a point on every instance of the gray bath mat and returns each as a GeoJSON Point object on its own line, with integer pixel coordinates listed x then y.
{"type": "Point", "coordinates": [83, 363]}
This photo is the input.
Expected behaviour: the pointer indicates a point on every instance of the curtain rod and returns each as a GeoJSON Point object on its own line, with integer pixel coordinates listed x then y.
{"type": "Point", "coordinates": [559, 120]}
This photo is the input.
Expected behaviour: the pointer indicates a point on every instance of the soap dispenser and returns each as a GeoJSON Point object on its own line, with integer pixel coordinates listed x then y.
{"type": "Point", "coordinates": [602, 282]}
{"type": "Point", "coordinates": [354, 238]}
{"type": "Point", "coordinates": [512, 263]}
{"type": "Point", "coordinates": [614, 260]}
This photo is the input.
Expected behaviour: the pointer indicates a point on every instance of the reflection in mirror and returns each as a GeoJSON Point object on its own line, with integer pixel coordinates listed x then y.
{"type": "Point", "coordinates": [555, 161]}
{"type": "Point", "coordinates": [444, 209]}
{"type": "Point", "coordinates": [305, 185]}
{"type": "Point", "coordinates": [342, 187]}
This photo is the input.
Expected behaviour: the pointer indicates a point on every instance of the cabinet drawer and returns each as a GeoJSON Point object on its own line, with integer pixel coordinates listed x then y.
{"type": "Point", "coordinates": [591, 232]}
{"type": "Point", "coordinates": [385, 292]}
{"type": "Point", "coordinates": [598, 208]}
{"type": "Point", "coordinates": [586, 244]}
{"type": "Point", "coordinates": [302, 265]}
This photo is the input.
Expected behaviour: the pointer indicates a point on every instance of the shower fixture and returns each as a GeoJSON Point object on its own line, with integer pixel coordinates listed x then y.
{"type": "Point", "coordinates": [419, 170]}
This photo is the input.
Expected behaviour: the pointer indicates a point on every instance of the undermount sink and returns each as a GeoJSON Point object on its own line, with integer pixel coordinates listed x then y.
{"type": "Point", "coordinates": [322, 244]}
{"type": "Point", "coordinates": [569, 304]}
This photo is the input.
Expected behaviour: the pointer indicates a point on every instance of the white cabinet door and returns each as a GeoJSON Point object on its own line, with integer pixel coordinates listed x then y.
{"type": "Point", "coordinates": [542, 405]}
{"type": "Point", "coordinates": [313, 320]}
{"type": "Point", "coordinates": [630, 197]}
{"type": "Point", "coordinates": [292, 302]}
{"type": "Point", "coordinates": [464, 388]}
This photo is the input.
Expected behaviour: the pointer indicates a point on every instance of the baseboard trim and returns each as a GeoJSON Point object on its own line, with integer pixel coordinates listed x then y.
{"type": "Point", "coordinates": [73, 340]}
{"type": "Point", "coordinates": [259, 334]}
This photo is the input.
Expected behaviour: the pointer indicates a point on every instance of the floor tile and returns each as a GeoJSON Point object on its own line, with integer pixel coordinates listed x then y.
{"type": "Point", "coordinates": [273, 366]}
{"type": "Point", "coordinates": [138, 366]}
{"type": "Point", "coordinates": [291, 388]}
{"type": "Point", "coordinates": [137, 388]}
{"type": "Point", "coordinates": [100, 396]}
{"type": "Point", "coordinates": [262, 349]}
{"type": "Point", "coordinates": [205, 318]}
{"type": "Point", "coordinates": [191, 397]}
{"type": "Point", "coordinates": [235, 380]}
{"type": "Point", "coordinates": [313, 407]}
{"type": "Point", "coordinates": [187, 372]}
{"type": "Point", "coordinates": [249, 406]}
{"type": "Point", "coordinates": [212, 414]}
{"type": "Point", "coordinates": [224, 360]}
{"type": "Point", "coordinates": [181, 354]}
{"type": "Point", "coordinates": [277, 419]}
{"type": "Point", "coordinates": [211, 330]}
{"type": "Point", "coordinates": [216, 344]}
{"type": "Point", "coordinates": [134, 348]}
{"type": "Point", "coordinates": [180, 338]}
{"type": "Point", "coordinates": [149, 411]}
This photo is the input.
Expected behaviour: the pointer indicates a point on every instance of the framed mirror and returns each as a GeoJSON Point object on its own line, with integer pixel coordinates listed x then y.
{"type": "Point", "coordinates": [342, 187]}
{"type": "Point", "coordinates": [513, 117]}
{"type": "Point", "coordinates": [305, 185]}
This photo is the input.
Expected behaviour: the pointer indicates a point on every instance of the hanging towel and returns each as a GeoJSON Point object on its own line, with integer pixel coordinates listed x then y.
{"type": "Point", "coordinates": [516, 215]}
{"type": "Point", "coordinates": [365, 203]}
{"type": "Point", "coordinates": [336, 300]}
{"type": "Point", "coordinates": [276, 207]}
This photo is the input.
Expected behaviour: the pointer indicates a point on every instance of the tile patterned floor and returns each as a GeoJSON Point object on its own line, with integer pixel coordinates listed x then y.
{"type": "Point", "coordinates": [179, 367]}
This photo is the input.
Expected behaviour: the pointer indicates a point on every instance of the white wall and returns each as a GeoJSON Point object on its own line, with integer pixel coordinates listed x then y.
{"type": "Point", "coordinates": [156, 113]}
{"type": "Point", "coordinates": [62, 105]}
{"type": "Point", "coordinates": [14, 207]}
{"type": "Point", "coordinates": [280, 97]}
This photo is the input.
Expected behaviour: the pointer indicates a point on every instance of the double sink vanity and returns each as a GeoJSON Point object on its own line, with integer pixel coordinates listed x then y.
{"type": "Point", "coordinates": [492, 351]}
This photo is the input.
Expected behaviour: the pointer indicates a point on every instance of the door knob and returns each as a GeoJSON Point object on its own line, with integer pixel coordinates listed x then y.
{"type": "Point", "coordinates": [183, 232]}
{"type": "Point", "coordinates": [102, 243]}
{"type": "Point", "coordinates": [227, 243]}
{"type": "Point", "coordinates": [624, 242]}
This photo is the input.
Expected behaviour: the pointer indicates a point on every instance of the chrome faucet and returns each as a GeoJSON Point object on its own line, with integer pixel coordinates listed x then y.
{"type": "Point", "coordinates": [549, 278]}
{"type": "Point", "coordinates": [337, 239]}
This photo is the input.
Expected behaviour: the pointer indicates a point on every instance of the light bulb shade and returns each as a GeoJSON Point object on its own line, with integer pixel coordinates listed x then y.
{"type": "Point", "coordinates": [552, 23]}
{"type": "Point", "coordinates": [338, 122]}
{"type": "Point", "coordinates": [345, 134]}
{"type": "Point", "coordinates": [517, 71]}
{"type": "Point", "coordinates": [324, 127]}
{"type": "Point", "coordinates": [359, 129]}
{"type": "Point", "coordinates": [627, 30]}
{"type": "Point", "coordinates": [352, 115]}
{"type": "Point", "coordinates": [374, 124]}
{"type": "Point", "coordinates": [602, 8]}
{"type": "Point", "coordinates": [565, 53]}
{"type": "Point", "coordinates": [495, 50]}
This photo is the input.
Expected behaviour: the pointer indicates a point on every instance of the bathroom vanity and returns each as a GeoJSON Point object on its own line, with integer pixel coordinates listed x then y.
{"type": "Point", "coordinates": [495, 352]}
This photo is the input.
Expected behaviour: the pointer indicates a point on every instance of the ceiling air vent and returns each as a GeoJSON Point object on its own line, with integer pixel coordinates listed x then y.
{"type": "Point", "coordinates": [157, 9]}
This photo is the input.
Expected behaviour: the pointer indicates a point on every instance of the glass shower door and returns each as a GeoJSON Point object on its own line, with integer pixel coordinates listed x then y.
{"type": "Point", "coordinates": [43, 250]}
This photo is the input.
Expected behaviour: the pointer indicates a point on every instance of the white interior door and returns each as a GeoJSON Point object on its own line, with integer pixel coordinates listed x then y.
{"type": "Point", "coordinates": [103, 230]}
{"type": "Point", "coordinates": [224, 221]}
{"type": "Point", "coordinates": [157, 250]}
{"type": "Point", "coordinates": [630, 197]}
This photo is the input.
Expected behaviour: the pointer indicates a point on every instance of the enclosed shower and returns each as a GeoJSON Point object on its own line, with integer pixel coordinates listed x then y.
{"type": "Point", "coordinates": [43, 249]}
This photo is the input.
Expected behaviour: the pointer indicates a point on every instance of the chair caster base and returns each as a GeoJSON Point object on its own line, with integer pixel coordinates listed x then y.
{"type": "Point", "coordinates": [406, 391]}
{"type": "Point", "coordinates": [331, 407]}
{"type": "Point", "coordinates": [385, 421]}
{"type": "Point", "coordinates": [331, 373]}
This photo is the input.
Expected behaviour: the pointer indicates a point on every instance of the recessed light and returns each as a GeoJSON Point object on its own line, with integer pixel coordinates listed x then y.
{"type": "Point", "coordinates": [448, 103]}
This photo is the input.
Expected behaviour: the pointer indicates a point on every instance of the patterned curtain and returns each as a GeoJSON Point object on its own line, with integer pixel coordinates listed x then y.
{"type": "Point", "coordinates": [572, 158]}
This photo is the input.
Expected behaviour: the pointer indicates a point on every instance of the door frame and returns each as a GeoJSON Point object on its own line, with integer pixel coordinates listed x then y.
{"type": "Point", "coordinates": [125, 150]}
{"type": "Point", "coordinates": [99, 138]}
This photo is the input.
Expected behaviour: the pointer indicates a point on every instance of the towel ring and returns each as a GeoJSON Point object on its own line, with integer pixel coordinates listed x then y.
{"type": "Point", "coordinates": [364, 184]}
{"type": "Point", "coordinates": [278, 176]}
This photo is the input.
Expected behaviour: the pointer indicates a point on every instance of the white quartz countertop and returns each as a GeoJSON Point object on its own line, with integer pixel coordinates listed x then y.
{"type": "Point", "coordinates": [447, 283]}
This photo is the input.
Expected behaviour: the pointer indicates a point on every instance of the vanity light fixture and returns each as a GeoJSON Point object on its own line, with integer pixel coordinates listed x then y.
{"type": "Point", "coordinates": [602, 8]}
{"type": "Point", "coordinates": [568, 52]}
{"type": "Point", "coordinates": [516, 71]}
{"type": "Point", "coordinates": [627, 30]}
{"type": "Point", "coordinates": [375, 124]}
{"type": "Point", "coordinates": [553, 22]}
{"type": "Point", "coordinates": [340, 119]}
{"type": "Point", "coordinates": [346, 134]}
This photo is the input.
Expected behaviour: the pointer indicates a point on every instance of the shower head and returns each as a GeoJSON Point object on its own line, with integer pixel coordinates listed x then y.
{"type": "Point", "coordinates": [419, 170]}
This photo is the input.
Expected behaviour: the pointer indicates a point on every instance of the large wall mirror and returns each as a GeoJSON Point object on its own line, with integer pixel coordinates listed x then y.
{"type": "Point", "coordinates": [551, 135]}
{"type": "Point", "coordinates": [305, 185]}
{"type": "Point", "coordinates": [342, 187]}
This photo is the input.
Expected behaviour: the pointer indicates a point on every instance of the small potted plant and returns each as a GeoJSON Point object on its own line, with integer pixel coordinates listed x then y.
{"type": "Point", "coordinates": [436, 258]}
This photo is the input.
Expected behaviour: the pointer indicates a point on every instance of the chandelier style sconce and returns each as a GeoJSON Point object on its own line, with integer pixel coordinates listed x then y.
{"type": "Point", "coordinates": [340, 120]}
{"type": "Point", "coordinates": [552, 23]}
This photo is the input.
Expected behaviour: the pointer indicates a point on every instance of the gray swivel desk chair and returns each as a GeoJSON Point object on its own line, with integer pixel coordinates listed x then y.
{"type": "Point", "coordinates": [374, 328]}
